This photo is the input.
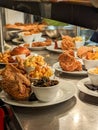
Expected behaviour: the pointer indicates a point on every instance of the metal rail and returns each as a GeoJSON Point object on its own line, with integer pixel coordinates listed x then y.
{"type": "Point", "coordinates": [2, 21]}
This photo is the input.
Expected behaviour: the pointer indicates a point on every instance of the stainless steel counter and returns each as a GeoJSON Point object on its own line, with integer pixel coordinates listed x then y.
{"type": "Point", "coordinates": [78, 113]}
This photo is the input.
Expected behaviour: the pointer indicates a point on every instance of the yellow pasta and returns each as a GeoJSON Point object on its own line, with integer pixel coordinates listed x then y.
{"type": "Point", "coordinates": [41, 67]}
{"type": "Point", "coordinates": [94, 71]}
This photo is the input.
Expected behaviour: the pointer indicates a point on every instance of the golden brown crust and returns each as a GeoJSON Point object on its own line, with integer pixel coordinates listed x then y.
{"type": "Point", "coordinates": [20, 50]}
{"type": "Point", "coordinates": [68, 62]}
{"type": "Point", "coordinates": [67, 43]}
{"type": "Point", "coordinates": [15, 83]}
{"type": "Point", "coordinates": [39, 44]}
{"type": "Point", "coordinates": [34, 27]}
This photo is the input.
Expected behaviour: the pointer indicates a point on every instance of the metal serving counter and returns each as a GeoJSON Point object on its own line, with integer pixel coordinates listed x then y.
{"type": "Point", "coordinates": [78, 113]}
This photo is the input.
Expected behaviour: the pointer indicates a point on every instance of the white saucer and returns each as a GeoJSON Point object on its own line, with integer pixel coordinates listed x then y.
{"type": "Point", "coordinates": [84, 89]}
{"type": "Point", "coordinates": [51, 48]}
{"type": "Point", "coordinates": [37, 48]}
{"type": "Point", "coordinates": [17, 41]}
{"type": "Point", "coordinates": [67, 91]}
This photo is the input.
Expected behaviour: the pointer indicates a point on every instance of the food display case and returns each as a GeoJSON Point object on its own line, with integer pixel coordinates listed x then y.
{"type": "Point", "coordinates": [80, 12]}
{"type": "Point", "coordinates": [75, 105]}
{"type": "Point", "coordinates": [75, 12]}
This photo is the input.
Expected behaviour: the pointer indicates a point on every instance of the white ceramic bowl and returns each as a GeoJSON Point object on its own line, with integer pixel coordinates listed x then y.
{"type": "Point", "coordinates": [78, 44]}
{"type": "Point", "coordinates": [46, 94]}
{"type": "Point", "coordinates": [93, 76]}
{"type": "Point", "coordinates": [37, 36]}
{"type": "Point", "coordinates": [90, 63]}
{"type": "Point", "coordinates": [21, 34]}
{"type": "Point", "coordinates": [28, 38]}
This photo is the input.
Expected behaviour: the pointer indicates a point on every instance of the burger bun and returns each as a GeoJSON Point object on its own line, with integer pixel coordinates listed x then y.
{"type": "Point", "coordinates": [20, 50]}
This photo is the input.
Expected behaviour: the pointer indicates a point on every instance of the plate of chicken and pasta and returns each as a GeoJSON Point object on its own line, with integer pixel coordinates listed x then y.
{"type": "Point", "coordinates": [57, 67]}
{"type": "Point", "coordinates": [66, 91]}
{"type": "Point", "coordinates": [67, 63]}
{"type": "Point", "coordinates": [17, 89]}
{"type": "Point", "coordinates": [41, 44]}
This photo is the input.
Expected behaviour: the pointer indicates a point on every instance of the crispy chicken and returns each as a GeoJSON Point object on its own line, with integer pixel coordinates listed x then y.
{"type": "Point", "coordinates": [20, 65]}
{"type": "Point", "coordinates": [68, 62]}
{"type": "Point", "coordinates": [67, 43]}
{"type": "Point", "coordinates": [40, 44]}
{"type": "Point", "coordinates": [15, 83]}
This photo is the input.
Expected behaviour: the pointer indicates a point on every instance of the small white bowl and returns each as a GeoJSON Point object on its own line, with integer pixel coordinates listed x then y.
{"type": "Point", "coordinates": [93, 76]}
{"type": "Point", "coordinates": [78, 44]}
{"type": "Point", "coordinates": [37, 36]}
{"type": "Point", "coordinates": [46, 94]}
{"type": "Point", "coordinates": [90, 63]}
{"type": "Point", "coordinates": [21, 34]}
{"type": "Point", "coordinates": [28, 38]}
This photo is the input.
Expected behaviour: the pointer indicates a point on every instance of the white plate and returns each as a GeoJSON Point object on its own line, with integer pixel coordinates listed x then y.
{"type": "Point", "coordinates": [56, 66]}
{"type": "Point", "coordinates": [84, 89]}
{"type": "Point", "coordinates": [37, 48]}
{"type": "Point", "coordinates": [40, 47]}
{"type": "Point", "coordinates": [67, 91]}
{"type": "Point", "coordinates": [17, 41]}
{"type": "Point", "coordinates": [51, 48]}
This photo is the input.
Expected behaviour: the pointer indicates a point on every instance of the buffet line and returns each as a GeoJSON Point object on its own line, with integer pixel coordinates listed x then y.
{"type": "Point", "coordinates": [29, 79]}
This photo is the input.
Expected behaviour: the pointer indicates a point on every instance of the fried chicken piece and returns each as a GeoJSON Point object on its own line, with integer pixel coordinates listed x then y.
{"type": "Point", "coordinates": [9, 71]}
{"type": "Point", "coordinates": [20, 65]}
{"type": "Point", "coordinates": [47, 42]}
{"type": "Point", "coordinates": [71, 52]}
{"type": "Point", "coordinates": [67, 43]}
{"type": "Point", "coordinates": [68, 62]}
{"type": "Point", "coordinates": [15, 83]}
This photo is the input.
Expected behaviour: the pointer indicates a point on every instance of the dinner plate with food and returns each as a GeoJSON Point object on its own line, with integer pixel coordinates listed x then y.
{"type": "Point", "coordinates": [55, 47]}
{"type": "Point", "coordinates": [37, 48]}
{"type": "Point", "coordinates": [17, 41]}
{"type": "Point", "coordinates": [27, 92]}
{"type": "Point", "coordinates": [86, 87]}
{"type": "Point", "coordinates": [66, 43]}
{"type": "Point", "coordinates": [57, 67]}
{"type": "Point", "coordinates": [38, 45]}
{"type": "Point", "coordinates": [67, 63]}
{"type": "Point", "coordinates": [65, 92]}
